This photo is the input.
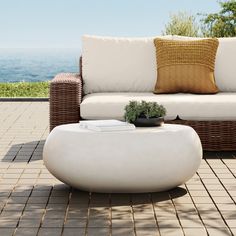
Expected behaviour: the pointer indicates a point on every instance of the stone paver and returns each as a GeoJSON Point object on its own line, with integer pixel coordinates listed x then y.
{"type": "Point", "coordinates": [33, 202]}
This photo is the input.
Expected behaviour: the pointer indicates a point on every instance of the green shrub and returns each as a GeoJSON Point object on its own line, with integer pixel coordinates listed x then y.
{"type": "Point", "coordinates": [24, 89]}
{"type": "Point", "coordinates": [182, 23]}
{"type": "Point", "coordinates": [143, 109]}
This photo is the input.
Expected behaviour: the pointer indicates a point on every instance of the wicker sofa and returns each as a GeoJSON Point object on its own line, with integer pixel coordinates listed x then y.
{"type": "Point", "coordinates": [95, 95]}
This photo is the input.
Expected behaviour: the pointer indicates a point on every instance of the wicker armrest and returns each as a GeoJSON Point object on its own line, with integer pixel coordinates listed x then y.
{"type": "Point", "coordinates": [65, 99]}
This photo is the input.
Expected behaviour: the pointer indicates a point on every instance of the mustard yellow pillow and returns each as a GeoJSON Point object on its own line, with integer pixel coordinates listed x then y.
{"type": "Point", "coordinates": [185, 66]}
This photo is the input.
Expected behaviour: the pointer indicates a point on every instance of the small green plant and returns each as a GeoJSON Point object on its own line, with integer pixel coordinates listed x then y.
{"type": "Point", "coordinates": [143, 109]}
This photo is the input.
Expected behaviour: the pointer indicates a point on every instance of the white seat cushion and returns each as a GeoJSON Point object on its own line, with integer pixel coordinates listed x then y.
{"type": "Point", "coordinates": [225, 65]}
{"type": "Point", "coordinates": [118, 64]}
{"type": "Point", "coordinates": [221, 106]}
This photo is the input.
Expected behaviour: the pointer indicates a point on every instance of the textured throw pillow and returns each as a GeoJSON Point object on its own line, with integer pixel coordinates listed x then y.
{"type": "Point", "coordinates": [186, 66]}
{"type": "Point", "coordinates": [225, 66]}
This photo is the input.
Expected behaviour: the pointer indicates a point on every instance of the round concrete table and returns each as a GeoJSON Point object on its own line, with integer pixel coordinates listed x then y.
{"type": "Point", "coordinates": [141, 160]}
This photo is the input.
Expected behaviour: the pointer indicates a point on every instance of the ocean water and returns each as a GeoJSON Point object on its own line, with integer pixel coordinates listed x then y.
{"type": "Point", "coordinates": [36, 64]}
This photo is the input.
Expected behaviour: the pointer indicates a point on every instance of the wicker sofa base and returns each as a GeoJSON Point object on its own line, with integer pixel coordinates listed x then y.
{"type": "Point", "coordinates": [214, 135]}
{"type": "Point", "coordinates": [66, 96]}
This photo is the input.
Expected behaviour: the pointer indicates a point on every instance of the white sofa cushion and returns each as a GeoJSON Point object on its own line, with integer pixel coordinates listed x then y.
{"type": "Point", "coordinates": [221, 106]}
{"type": "Point", "coordinates": [225, 65]}
{"type": "Point", "coordinates": [118, 64]}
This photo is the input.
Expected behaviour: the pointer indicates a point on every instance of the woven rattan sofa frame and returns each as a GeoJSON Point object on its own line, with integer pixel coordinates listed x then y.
{"type": "Point", "coordinates": [66, 95]}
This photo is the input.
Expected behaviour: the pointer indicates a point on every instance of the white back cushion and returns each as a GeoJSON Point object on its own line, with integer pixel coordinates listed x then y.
{"type": "Point", "coordinates": [225, 65]}
{"type": "Point", "coordinates": [118, 64]}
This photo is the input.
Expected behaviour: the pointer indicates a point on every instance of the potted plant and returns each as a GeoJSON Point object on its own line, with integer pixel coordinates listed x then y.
{"type": "Point", "coordinates": [144, 113]}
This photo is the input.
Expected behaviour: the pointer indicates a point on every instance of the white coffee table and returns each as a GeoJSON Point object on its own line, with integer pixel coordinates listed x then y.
{"type": "Point", "coordinates": [141, 160]}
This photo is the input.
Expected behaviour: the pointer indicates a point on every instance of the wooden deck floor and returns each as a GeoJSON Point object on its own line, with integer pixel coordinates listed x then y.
{"type": "Point", "coordinates": [33, 202]}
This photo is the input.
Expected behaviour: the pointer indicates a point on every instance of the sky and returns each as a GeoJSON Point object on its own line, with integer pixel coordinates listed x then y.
{"type": "Point", "coordinates": [61, 23]}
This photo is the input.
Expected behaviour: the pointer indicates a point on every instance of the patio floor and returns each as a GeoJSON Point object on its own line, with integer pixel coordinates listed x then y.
{"type": "Point", "coordinates": [33, 202]}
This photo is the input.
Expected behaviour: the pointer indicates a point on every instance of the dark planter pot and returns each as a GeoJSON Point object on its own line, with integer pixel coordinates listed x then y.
{"type": "Point", "coordinates": [144, 122]}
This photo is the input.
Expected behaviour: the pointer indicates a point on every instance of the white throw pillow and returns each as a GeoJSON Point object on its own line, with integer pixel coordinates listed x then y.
{"type": "Point", "coordinates": [225, 65]}
{"type": "Point", "coordinates": [112, 64]}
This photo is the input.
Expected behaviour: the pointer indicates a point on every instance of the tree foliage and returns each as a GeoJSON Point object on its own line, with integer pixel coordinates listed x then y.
{"type": "Point", "coordinates": [183, 24]}
{"type": "Point", "coordinates": [222, 24]}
